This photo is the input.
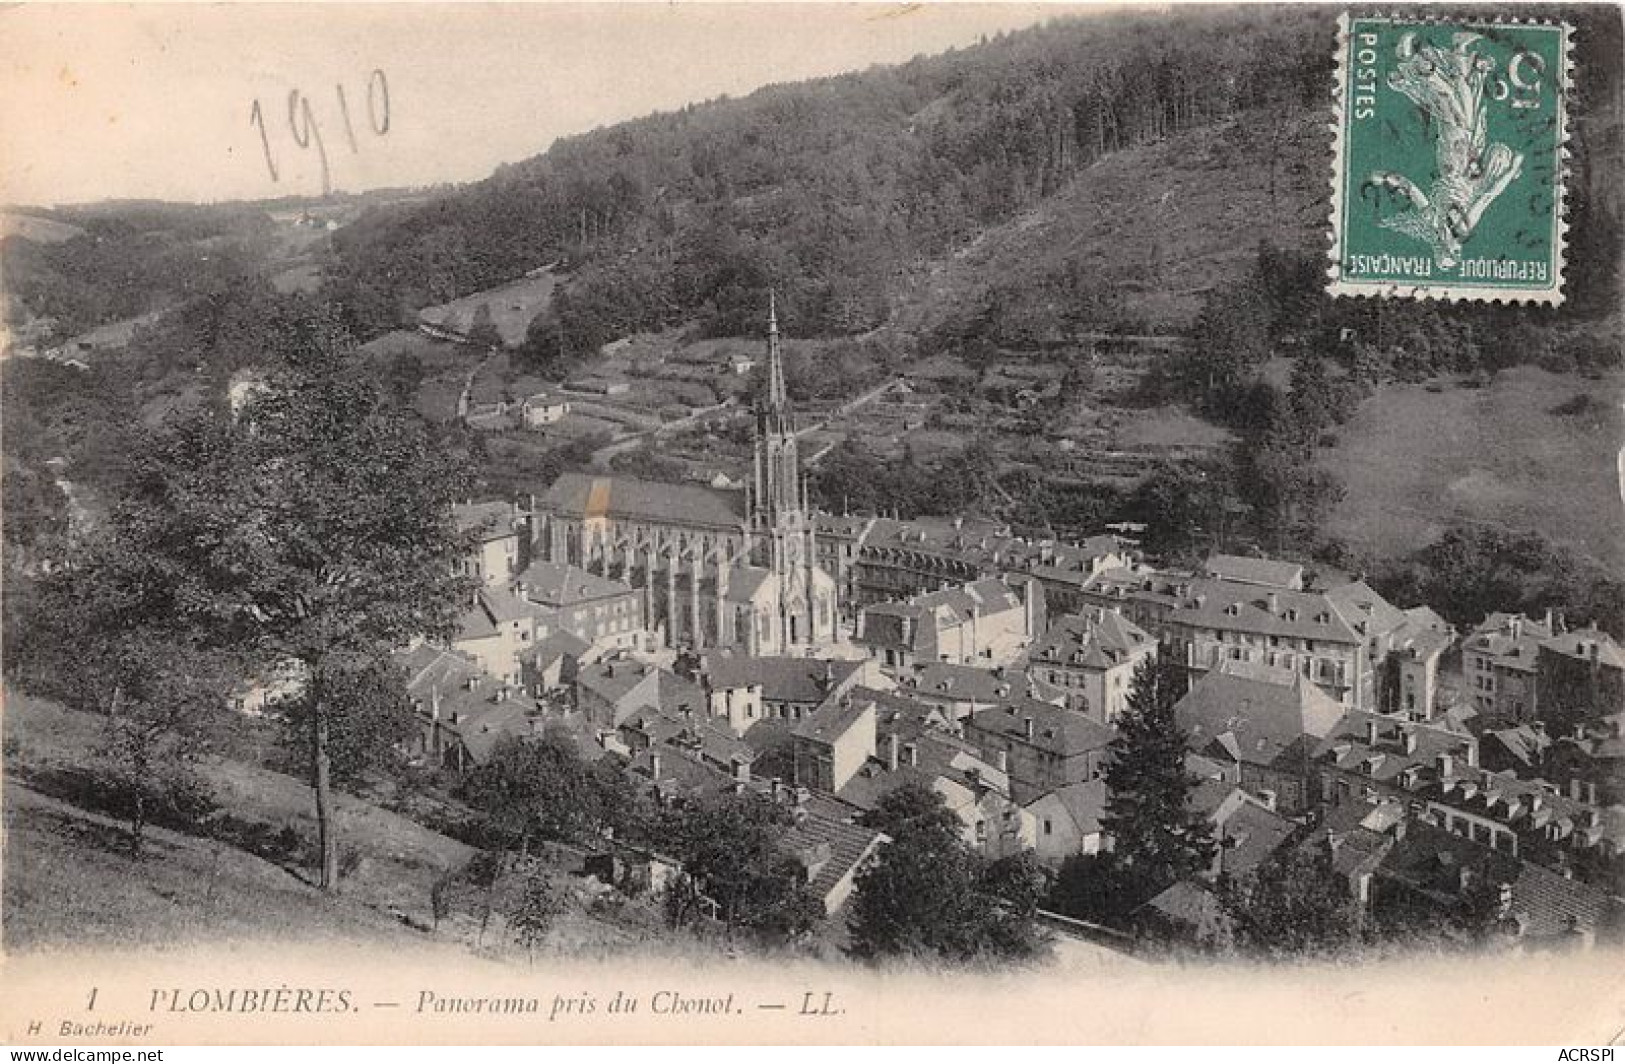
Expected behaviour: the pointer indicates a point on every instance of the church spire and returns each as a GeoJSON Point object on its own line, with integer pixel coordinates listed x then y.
{"type": "Point", "coordinates": [775, 365]}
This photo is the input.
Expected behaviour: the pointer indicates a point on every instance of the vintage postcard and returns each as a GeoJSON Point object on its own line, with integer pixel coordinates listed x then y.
{"type": "Point", "coordinates": [812, 523]}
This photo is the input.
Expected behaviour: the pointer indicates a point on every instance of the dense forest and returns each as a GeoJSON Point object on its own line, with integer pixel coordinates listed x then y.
{"type": "Point", "coordinates": [833, 191]}
{"type": "Point", "coordinates": [838, 191]}
{"type": "Point", "coordinates": [129, 259]}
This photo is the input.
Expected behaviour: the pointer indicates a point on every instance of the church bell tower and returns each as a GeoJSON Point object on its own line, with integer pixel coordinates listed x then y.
{"type": "Point", "coordinates": [780, 520]}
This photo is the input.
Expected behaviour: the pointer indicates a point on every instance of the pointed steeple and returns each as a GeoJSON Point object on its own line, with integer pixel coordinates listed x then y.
{"type": "Point", "coordinates": [775, 364]}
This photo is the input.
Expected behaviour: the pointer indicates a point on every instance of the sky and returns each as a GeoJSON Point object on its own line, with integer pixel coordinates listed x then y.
{"type": "Point", "coordinates": [159, 101]}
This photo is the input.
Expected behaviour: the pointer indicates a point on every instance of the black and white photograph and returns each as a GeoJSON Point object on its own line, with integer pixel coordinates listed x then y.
{"type": "Point", "coordinates": [721, 523]}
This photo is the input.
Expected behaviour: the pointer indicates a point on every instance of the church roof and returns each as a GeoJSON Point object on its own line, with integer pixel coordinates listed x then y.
{"type": "Point", "coordinates": [586, 496]}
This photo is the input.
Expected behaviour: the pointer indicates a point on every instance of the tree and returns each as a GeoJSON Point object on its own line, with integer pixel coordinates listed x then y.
{"type": "Point", "coordinates": [535, 788]}
{"type": "Point", "coordinates": [928, 894]}
{"type": "Point", "coordinates": [1157, 839]}
{"type": "Point", "coordinates": [1296, 905]}
{"type": "Point", "coordinates": [538, 908]}
{"type": "Point", "coordinates": [371, 717]}
{"type": "Point", "coordinates": [312, 526]}
{"type": "Point", "coordinates": [482, 330]}
{"type": "Point", "coordinates": [730, 847]}
{"type": "Point", "coordinates": [157, 691]}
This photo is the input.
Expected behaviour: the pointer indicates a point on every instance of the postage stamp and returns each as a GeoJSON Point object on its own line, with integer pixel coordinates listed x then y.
{"type": "Point", "coordinates": [1448, 178]}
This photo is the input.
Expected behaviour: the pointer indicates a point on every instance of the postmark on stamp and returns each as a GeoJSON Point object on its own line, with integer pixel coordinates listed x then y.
{"type": "Point", "coordinates": [1449, 159]}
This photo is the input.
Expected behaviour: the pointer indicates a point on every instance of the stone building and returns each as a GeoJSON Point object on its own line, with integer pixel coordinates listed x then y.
{"type": "Point", "coordinates": [716, 568]}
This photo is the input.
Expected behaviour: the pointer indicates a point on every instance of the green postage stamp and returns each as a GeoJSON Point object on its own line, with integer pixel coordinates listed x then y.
{"type": "Point", "coordinates": [1449, 159]}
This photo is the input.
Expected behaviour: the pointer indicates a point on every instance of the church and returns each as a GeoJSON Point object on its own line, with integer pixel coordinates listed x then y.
{"type": "Point", "coordinates": [717, 569]}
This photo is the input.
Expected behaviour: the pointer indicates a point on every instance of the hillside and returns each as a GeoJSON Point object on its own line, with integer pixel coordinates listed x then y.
{"type": "Point", "coordinates": [242, 881]}
{"type": "Point", "coordinates": [1150, 229]}
{"type": "Point", "coordinates": [833, 191]}
{"type": "Point", "coordinates": [1520, 451]}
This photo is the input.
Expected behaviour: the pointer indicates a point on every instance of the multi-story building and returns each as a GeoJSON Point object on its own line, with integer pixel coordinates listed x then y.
{"type": "Point", "coordinates": [1498, 664]}
{"type": "Point", "coordinates": [1334, 638]}
{"type": "Point", "coordinates": [605, 613]}
{"type": "Point", "coordinates": [1260, 726]}
{"type": "Point", "coordinates": [984, 622]}
{"type": "Point", "coordinates": [501, 536]}
{"type": "Point", "coordinates": [1092, 656]}
{"type": "Point", "coordinates": [1579, 677]}
{"type": "Point", "coordinates": [1041, 746]}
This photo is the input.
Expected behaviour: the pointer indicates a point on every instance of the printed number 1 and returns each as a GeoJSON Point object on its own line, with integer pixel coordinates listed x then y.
{"type": "Point", "coordinates": [91, 1007]}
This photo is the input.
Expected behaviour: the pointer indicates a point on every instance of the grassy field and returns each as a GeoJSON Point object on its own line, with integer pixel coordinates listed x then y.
{"type": "Point", "coordinates": [513, 307]}
{"type": "Point", "coordinates": [1414, 459]}
{"type": "Point", "coordinates": [70, 880]}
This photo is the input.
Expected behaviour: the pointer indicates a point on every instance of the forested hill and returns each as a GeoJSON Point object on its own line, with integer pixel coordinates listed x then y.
{"type": "Point", "coordinates": [836, 191]}
{"type": "Point", "coordinates": [840, 192]}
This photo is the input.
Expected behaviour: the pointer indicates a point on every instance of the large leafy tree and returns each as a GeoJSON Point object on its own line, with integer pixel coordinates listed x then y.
{"type": "Point", "coordinates": [312, 525]}
{"type": "Point", "coordinates": [731, 849]}
{"type": "Point", "coordinates": [1295, 905]}
{"type": "Point", "coordinates": [1157, 839]}
{"type": "Point", "coordinates": [929, 894]}
{"type": "Point", "coordinates": [535, 788]}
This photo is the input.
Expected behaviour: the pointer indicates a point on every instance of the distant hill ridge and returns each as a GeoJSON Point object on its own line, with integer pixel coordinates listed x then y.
{"type": "Point", "coordinates": [836, 191]}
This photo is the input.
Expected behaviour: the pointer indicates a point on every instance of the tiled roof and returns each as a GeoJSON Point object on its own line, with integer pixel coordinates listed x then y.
{"type": "Point", "coordinates": [1544, 904]}
{"type": "Point", "coordinates": [967, 683]}
{"type": "Point", "coordinates": [558, 645]}
{"type": "Point", "coordinates": [1189, 903]}
{"type": "Point", "coordinates": [1084, 802]}
{"type": "Point", "coordinates": [1228, 606]}
{"type": "Point", "coordinates": [1512, 640]}
{"type": "Point", "coordinates": [1252, 720]}
{"type": "Point", "coordinates": [558, 585]}
{"type": "Point", "coordinates": [845, 844]}
{"type": "Point", "coordinates": [1360, 605]}
{"type": "Point", "coordinates": [1098, 640]}
{"type": "Point", "coordinates": [936, 758]}
{"type": "Point", "coordinates": [1265, 572]}
{"type": "Point", "coordinates": [582, 495]}
{"type": "Point", "coordinates": [1585, 643]}
{"type": "Point", "coordinates": [1349, 747]}
{"type": "Point", "coordinates": [1522, 743]}
{"type": "Point", "coordinates": [504, 606]}
{"type": "Point", "coordinates": [434, 668]}
{"type": "Point", "coordinates": [831, 720]}
{"type": "Point", "coordinates": [1060, 731]}
{"type": "Point", "coordinates": [1250, 834]}
{"type": "Point", "coordinates": [782, 679]}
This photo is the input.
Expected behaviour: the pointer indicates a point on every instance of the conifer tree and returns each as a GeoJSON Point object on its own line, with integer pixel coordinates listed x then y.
{"type": "Point", "coordinates": [1157, 839]}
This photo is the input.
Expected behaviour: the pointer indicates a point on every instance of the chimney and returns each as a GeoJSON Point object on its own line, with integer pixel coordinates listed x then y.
{"type": "Point", "coordinates": [1334, 841]}
{"type": "Point", "coordinates": [1002, 760]}
{"type": "Point", "coordinates": [1591, 794]}
{"type": "Point", "coordinates": [912, 754]}
{"type": "Point", "coordinates": [1445, 763]}
{"type": "Point", "coordinates": [1274, 602]}
{"type": "Point", "coordinates": [1027, 728]}
{"type": "Point", "coordinates": [1515, 626]}
{"type": "Point", "coordinates": [654, 765]}
{"type": "Point", "coordinates": [1373, 732]}
{"type": "Point", "coordinates": [891, 751]}
{"type": "Point", "coordinates": [1410, 740]}
{"type": "Point", "coordinates": [1574, 789]}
